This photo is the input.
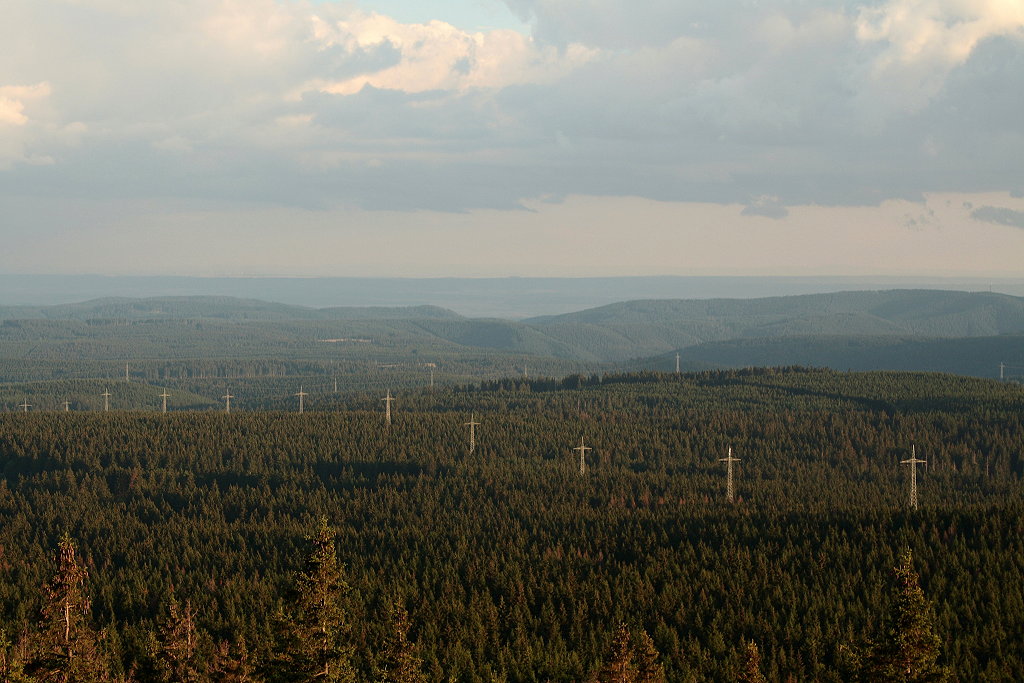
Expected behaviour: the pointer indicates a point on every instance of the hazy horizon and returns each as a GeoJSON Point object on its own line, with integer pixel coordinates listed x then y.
{"type": "Point", "coordinates": [515, 297]}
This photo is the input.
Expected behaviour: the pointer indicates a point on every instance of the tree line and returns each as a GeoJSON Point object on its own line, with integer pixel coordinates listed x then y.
{"type": "Point", "coordinates": [311, 638]}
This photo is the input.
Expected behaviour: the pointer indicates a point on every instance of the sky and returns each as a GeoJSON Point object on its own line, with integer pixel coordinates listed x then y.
{"type": "Point", "coordinates": [512, 137]}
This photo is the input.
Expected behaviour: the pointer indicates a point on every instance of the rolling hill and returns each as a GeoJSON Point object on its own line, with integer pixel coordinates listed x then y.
{"type": "Point", "coordinates": [648, 328]}
{"type": "Point", "coordinates": [894, 329]}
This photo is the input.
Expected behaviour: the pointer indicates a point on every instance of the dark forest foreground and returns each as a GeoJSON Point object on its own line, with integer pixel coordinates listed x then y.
{"type": "Point", "coordinates": [510, 563]}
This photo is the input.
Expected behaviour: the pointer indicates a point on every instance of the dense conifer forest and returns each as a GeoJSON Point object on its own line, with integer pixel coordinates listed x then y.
{"type": "Point", "coordinates": [272, 545]}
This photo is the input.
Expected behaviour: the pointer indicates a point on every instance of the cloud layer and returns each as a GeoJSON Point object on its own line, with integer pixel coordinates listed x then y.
{"type": "Point", "coordinates": [759, 107]}
{"type": "Point", "coordinates": [231, 100]}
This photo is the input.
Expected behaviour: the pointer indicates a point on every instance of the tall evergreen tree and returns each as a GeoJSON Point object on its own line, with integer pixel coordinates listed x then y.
{"type": "Point", "coordinates": [312, 628]}
{"type": "Point", "coordinates": [67, 648]}
{"type": "Point", "coordinates": [12, 659]}
{"type": "Point", "coordinates": [751, 671]}
{"type": "Point", "coordinates": [232, 663]}
{"type": "Point", "coordinates": [178, 655]}
{"type": "Point", "coordinates": [399, 663]}
{"type": "Point", "coordinates": [646, 660]}
{"type": "Point", "coordinates": [618, 664]}
{"type": "Point", "coordinates": [908, 650]}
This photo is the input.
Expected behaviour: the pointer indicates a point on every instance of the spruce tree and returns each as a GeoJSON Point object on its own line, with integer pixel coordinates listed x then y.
{"type": "Point", "coordinates": [13, 654]}
{"type": "Point", "coordinates": [399, 663]}
{"type": "Point", "coordinates": [312, 627]}
{"type": "Point", "coordinates": [908, 650]}
{"type": "Point", "coordinates": [178, 655]}
{"type": "Point", "coordinates": [646, 661]}
{"type": "Point", "coordinates": [751, 671]}
{"type": "Point", "coordinates": [618, 665]}
{"type": "Point", "coordinates": [232, 663]}
{"type": "Point", "coordinates": [67, 649]}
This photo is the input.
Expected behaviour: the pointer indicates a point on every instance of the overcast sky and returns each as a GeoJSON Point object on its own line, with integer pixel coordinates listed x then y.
{"type": "Point", "coordinates": [512, 137]}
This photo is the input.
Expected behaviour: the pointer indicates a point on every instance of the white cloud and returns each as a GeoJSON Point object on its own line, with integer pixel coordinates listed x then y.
{"type": "Point", "coordinates": [20, 107]}
{"type": "Point", "coordinates": [768, 105]}
{"type": "Point", "coordinates": [13, 99]}
{"type": "Point", "coordinates": [920, 41]}
{"type": "Point", "coordinates": [439, 56]}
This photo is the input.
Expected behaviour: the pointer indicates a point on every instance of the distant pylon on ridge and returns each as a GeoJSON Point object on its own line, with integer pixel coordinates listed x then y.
{"type": "Point", "coordinates": [25, 406]}
{"type": "Point", "coordinates": [67, 405]}
{"type": "Point", "coordinates": [730, 491]}
{"type": "Point", "coordinates": [165, 396]}
{"type": "Point", "coordinates": [387, 407]}
{"type": "Point", "coordinates": [913, 462]}
{"type": "Point", "coordinates": [227, 402]}
{"type": "Point", "coordinates": [677, 363]}
{"type": "Point", "coordinates": [302, 394]}
{"type": "Point", "coordinates": [583, 455]}
{"type": "Point", "coordinates": [106, 400]}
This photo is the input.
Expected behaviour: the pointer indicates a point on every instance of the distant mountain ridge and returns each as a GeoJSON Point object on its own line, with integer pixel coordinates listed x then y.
{"type": "Point", "coordinates": [215, 307]}
{"type": "Point", "coordinates": [839, 330]}
{"type": "Point", "coordinates": [619, 331]}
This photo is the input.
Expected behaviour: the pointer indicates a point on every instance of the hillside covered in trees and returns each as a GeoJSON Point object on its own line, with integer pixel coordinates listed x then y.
{"type": "Point", "coordinates": [508, 562]}
{"type": "Point", "coordinates": [171, 338]}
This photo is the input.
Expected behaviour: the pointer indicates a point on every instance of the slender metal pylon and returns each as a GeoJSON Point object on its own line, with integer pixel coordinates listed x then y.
{"type": "Point", "coordinates": [227, 402]}
{"type": "Point", "coordinates": [431, 379]}
{"type": "Point", "coordinates": [302, 394]}
{"type": "Point", "coordinates": [335, 385]}
{"type": "Point", "coordinates": [164, 396]}
{"type": "Point", "coordinates": [913, 462]}
{"type": "Point", "coordinates": [106, 400]}
{"type": "Point", "coordinates": [67, 406]}
{"type": "Point", "coordinates": [677, 363]}
{"type": "Point", "coordinates": [387, 407]}
{"type": "Point", "coordinates": [25, 406]}
{"type": "Point", "coordinates": [583, 456]}
{"type": "Point", "coordinates": [126, 372]}
{"type": "Point", "coordinates": [472, 424]}
{"type": "Point", "coordinates": [730, 491]}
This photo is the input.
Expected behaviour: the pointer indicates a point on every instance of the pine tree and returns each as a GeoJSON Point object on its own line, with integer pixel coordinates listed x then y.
{"type": "Point", "coordinates": [67, 648]}
{"type": "Point", "coordinates": [311, 629]}
{"type": "Point", "coordinates": [631, 660]}
{"type": "Point", "coordinates": [232, 663]}
{"type": "Point", "coordinates": [618, 665]}
{"type": "Point", "coordinates": [12, 659]}
{"type": "Point", "coordinates": [751, 671]}
{"type": "Point", "coordinates": [399, 663]}
{"type": "Point", "coordinates": [179, 641]}
{"type": "Point", "coordinates": [909, 648]}
{"type": "Point", "coordinates": [646, 661]}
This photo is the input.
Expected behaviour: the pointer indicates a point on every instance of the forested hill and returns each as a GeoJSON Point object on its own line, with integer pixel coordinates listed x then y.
{"type": "Point", "coordinates": [899, 311]}
{"type": "Point", "coordinates": [974, 356]}
{"type": "Point", "coordinates": [841, 330]}
{"type": "Point", "coordinates": [618, 328]}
